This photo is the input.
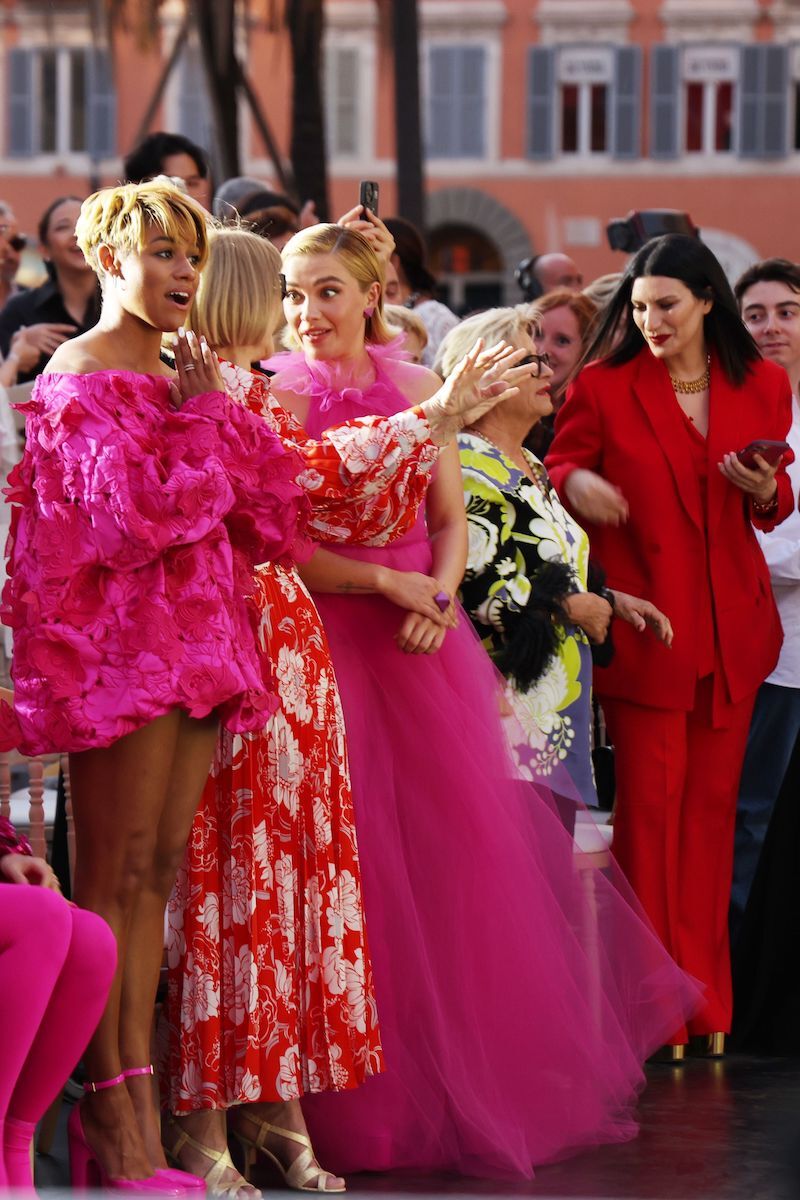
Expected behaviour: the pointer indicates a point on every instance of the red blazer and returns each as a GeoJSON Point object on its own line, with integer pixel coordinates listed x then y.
{"type": "Point", "coordinates": [623, 422]}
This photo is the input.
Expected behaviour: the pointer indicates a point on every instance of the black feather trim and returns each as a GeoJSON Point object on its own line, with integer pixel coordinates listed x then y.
{"type": "Point", "coordinates": [531, 634]}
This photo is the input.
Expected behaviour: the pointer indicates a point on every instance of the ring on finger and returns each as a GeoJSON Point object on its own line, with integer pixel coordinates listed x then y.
{"type": "Point", "coordinates": [189, 367]}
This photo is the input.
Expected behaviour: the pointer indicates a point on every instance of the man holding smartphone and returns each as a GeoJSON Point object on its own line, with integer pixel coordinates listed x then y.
{"type": "Point", "coordinates": [769, 299]}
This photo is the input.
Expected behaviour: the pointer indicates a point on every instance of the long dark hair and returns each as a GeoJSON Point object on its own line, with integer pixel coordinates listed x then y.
{"type": "Point", "coordinates": [676, 256]}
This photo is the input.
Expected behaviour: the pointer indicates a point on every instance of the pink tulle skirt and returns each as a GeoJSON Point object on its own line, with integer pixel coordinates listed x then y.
{"type": "Point", "coordinates": [519, 985]}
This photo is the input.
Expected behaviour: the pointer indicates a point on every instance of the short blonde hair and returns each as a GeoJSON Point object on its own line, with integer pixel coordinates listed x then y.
{"type": "Point", "coordinates": [119, 217]}
{"type": "Point", "coordinates": [359, 259]}
{"type": "Point", "coordinates": [494, 325]}
{"type": "Point", "coordinates": [238, 301]}
{"type": "Point", "coordinates": [407, 321]}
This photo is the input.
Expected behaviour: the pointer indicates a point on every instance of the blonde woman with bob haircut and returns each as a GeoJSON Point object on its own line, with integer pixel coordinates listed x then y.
{"type": "Point", "coordinates": [282, 796]}
{"type": "Point", "coordinates": [144, 501]}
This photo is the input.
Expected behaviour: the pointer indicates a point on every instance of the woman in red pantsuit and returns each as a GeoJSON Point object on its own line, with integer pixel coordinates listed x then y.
{"type": "Point", "coordinates": [645, 453]}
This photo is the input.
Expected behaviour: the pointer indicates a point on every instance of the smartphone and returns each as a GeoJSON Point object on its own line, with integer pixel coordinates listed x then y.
{"type": "Point", "coordinates": [368, 195]}
{"type": "Point", "coordinates": [770, 451]}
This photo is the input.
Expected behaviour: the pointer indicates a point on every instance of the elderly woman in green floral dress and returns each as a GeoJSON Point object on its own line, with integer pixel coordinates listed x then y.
{"type": "Point", "coordinates": [526, 582]}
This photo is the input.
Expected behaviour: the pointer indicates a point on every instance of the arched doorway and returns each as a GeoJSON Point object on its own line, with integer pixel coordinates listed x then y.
{"type": "Point", "coordinates": [468, 266]}
{"type": "Point", "coordinates": [476, 242]}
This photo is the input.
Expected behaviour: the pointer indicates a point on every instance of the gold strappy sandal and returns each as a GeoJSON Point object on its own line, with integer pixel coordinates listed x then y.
{"type": "Point", "coordinates": [297, 1175]}
{"type": "Point", "coordinates": [221, 1162]}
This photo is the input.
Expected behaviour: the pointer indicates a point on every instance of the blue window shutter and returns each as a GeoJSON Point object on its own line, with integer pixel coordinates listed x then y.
{"type": "Point", "coordinates": [626, 103]}
{"type": "Point", "coordinates": [345, 102]}
{"type": "Point", "coordinates": [471, 107]}
{"type": "Point", "coordinates": [763, 111]}
{"type": "Point", "coordinates": [541, 101]}
{"type": "Point", "coordinates": [194, 110]}
{"type": "Point", "coordinates": [101, 105]}
{"type": "Point", "coordinates": [749, 115]}
{"type": "Point", "coordinates": [776, 100]}
{"type": "Point", "coordinates": [665, 108]}
{"type": "Point", "coordinates": [22, 141]}
{"type": "Point", "coordinates": [442, 103]}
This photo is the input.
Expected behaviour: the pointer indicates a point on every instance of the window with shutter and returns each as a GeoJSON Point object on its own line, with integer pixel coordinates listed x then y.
{"type": "Point", "coordinates": [456, 102]}
{"type": "Point", "coordinates": [665, 102]}
{"type": "Point", "coordinates": [342, 93]}
{"type": "Point", "coordinates": [100, 107]}
{"type": "Point", "coordinates": [575, 96]}
{"type": "Point", "coordinates": [710, 78]}
{"type": "Point", "coordinates": [626, 103]}
{"type": "Point", "coordinates": [21, 137]}
{"type": "Point", "coordinates": [764, 101]}
{"type": "Point", "coordinates": [61, 100]}
{"type": "Point", "coordinates": [541, 102]}
{"type": "Point", "coordinates": [194, 107]}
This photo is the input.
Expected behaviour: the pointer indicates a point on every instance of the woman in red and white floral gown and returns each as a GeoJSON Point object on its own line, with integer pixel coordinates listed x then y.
{"type": "Point", "coordinates": [270, 992]}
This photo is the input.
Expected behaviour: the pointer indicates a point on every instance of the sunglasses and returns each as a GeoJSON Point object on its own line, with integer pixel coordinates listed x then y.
{"type": "Point", "coordinates": [17, 241]}
{"type": "Point", "coordinates": [541, 360]}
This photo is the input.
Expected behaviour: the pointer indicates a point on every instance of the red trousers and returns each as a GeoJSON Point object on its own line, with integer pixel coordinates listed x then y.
{"type": "Point", "coordinates": [677, 783]}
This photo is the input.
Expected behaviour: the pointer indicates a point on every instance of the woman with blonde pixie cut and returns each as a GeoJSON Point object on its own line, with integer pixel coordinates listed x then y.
{"type": "Point", "coordinates": [280, 800]}
{"type": "Point", "coordinates": [143, 502]}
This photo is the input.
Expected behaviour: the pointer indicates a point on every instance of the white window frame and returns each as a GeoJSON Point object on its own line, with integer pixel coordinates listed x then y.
{"type": "Point", "coordinates": [710, 79]}
{"type": "Point", "coordinates": [583, 67]}
{"type": "Point", "coordinates": [466, 23]}
{"type": "Point", "coordinates": [363, 45]}
{"type": "Point", "coordinates": [64, 38]}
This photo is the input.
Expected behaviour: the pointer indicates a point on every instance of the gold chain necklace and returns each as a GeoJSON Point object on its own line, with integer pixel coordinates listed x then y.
{"type": "Point", "coordinates": [690, 386]}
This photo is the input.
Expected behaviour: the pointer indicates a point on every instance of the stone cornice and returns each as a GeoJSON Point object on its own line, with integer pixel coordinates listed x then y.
{"type": "Point", "coordinates": [583, 20]}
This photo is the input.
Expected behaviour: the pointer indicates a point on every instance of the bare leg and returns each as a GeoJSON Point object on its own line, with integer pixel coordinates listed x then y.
{"type": "Point", "coordinates": [285, 1115]}
{"type": "Point", "coordinates": [208, 1128]}
{"type": "Point", "coordinates": [190, 766]}
{"type": "Point", "coordinates": [120, 796]}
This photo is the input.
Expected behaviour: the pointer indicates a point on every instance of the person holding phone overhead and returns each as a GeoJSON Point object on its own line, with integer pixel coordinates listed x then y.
{"type": "Point", "coordinates": [646, 453]}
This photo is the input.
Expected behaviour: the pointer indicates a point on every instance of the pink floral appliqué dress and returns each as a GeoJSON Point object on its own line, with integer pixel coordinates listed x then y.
{"type": "Point", "coordinates": [135, 530]}
{"type": "Point", "coordinates": [270, 990]}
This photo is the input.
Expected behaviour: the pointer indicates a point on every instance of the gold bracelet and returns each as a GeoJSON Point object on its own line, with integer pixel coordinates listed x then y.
{"type": "Point", "coordinates": [765, 508]}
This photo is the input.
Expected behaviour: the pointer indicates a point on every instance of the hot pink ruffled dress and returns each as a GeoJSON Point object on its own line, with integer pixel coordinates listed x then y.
{"type": "Point", "coordinates": [519, 986]}
{"type": "Point", "coordinates": [134, 535]}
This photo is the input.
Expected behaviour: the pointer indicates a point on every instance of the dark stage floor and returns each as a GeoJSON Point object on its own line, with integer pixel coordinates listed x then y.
{"type": "Point", "coordinates": [725, 1130]}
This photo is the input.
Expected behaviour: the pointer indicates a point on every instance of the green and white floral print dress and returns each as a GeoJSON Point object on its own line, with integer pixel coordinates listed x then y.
{"type": "Point", "coordinates": [516, 528]}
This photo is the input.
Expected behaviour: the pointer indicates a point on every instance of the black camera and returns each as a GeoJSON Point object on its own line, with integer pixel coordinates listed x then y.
{"type": "Point", "coordinates": [529, 285]}
{"type": "Point", "coordinates": [642, 225]}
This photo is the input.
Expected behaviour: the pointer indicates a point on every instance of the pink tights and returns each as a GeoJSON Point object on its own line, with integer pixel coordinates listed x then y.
{"type": "Point", "coordinates": [56, 967]}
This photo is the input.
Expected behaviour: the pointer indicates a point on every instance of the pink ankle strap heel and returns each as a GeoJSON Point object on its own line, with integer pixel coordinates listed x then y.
{"type": "Point", "coordinates": [104, 1083]}
{"type": "Point", "coordinates": [86, 1171]}
{"type": "Point", "coordinates": [170, 1175]}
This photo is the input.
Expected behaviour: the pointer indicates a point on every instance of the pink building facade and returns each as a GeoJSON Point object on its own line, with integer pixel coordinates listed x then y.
{"type": "Point", "coordinates": [543, 119]}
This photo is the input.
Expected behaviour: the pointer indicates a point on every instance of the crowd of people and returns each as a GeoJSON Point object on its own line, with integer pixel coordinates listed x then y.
{"type": "Point", "coordinates": [315, 581]}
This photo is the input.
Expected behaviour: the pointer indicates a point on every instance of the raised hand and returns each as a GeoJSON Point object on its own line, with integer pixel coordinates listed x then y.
{"type": "Point", "coordinates": [198, 367]}
{"type": "Point", "coordinates": [372, 228]}
{"type": "Point", "coordinates": [484, 377]}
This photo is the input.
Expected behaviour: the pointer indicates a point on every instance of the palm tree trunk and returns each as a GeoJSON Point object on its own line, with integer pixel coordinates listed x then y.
{"type": "Point", "coordinates": [216, 28]}
{"type": "Point", "coordinates": [405, 43]}
{"type": "Point", "coordinates": [305, 20]}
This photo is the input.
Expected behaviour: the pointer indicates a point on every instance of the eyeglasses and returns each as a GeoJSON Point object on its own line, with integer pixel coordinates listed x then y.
{"type": "Point", "coordinates": [17, 241]}
{"type": "Point", "coordinates": [541, 360]}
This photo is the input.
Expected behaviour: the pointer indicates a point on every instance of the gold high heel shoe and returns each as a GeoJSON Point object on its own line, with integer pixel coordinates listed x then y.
{"type": "Point", "coordinates": [715, 1045]}
{"type": "Point", "coordinates": [297, 1175]}
{"type": "Point", "coordinates": [669, 1054]}
{"type": "Point", "coordinates": [221, 1162]}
